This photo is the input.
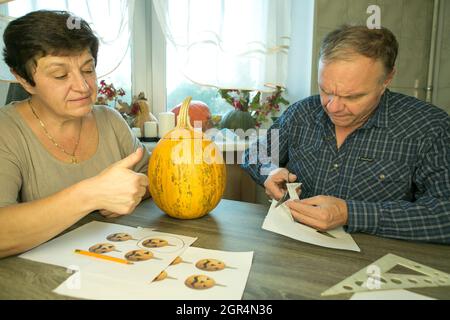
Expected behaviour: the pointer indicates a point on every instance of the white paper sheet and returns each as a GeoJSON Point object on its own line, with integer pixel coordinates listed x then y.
{"type": "Point", "coordinates": [279, 220]}
{"type": "Point", "coordinates": [60, 252]}
{"type": "Point", "coordinates": [230, 281]}
{"type": "Point", "coordinates": [389, 295]}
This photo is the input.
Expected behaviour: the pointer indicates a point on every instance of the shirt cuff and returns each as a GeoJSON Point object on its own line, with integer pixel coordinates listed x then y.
{"type": "Point", "coordinates": [363, 216]}
{"type": "Point", "coordinates": [265, 170]}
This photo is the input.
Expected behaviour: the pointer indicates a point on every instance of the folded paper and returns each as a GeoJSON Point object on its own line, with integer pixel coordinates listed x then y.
{"type": "Point", "coordinates": [279, 220]}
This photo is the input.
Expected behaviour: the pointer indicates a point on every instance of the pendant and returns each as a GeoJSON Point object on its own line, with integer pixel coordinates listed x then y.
{"type": "Point", "coordinates": [74, 160]}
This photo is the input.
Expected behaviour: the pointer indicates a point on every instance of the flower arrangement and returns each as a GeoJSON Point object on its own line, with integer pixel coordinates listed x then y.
{"type": "Point", "coordinates": [107, 92]}
{"type": "Point", "coordinates": [137, 113]}
{"type": "Point", "coordinates": [250, 101]}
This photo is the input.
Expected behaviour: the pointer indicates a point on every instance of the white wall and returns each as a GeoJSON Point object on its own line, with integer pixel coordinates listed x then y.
{"type": "Point", "coordinates": [409, 20]}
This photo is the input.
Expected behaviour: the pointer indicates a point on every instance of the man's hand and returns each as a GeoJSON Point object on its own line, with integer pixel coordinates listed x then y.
{"type": "Point", "coordinates": [275, 183]}
{"type": "Point", "coordinates": [321, 213]}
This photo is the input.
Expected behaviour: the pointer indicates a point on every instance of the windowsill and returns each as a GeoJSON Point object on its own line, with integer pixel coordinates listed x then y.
{"type": "Point", "coordinates": [238, 146]}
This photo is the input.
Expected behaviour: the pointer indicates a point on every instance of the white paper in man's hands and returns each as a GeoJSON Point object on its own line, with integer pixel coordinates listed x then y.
{"type": "Point", "coordinates": [279, 220]}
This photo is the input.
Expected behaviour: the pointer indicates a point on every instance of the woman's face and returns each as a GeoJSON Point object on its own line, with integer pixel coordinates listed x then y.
{"type": "Point", "coordinates": [67, 85]}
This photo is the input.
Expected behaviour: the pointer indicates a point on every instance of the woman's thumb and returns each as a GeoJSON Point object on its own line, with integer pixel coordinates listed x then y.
{"type": "Point", "coordinates": [130, 161]}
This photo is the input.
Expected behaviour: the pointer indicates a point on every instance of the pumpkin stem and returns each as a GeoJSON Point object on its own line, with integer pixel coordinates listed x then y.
{"type": "Point", "coordinates": [184, 121]}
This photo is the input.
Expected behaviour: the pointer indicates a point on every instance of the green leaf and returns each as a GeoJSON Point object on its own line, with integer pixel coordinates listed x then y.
{"type": "Point", "coordinates": [256, 101]}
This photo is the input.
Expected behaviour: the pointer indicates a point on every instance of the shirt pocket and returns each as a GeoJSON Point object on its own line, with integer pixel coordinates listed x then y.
{"type": "Point", "coordinates": [376, 180]}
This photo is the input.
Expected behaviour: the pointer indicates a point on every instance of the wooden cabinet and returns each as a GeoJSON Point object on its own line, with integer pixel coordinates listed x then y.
{"type": "Point", "coordinates": [240, 186]}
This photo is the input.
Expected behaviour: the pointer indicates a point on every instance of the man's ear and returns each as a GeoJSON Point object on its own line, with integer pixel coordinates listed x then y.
{"type": "Point", "coordinates": [389, 78]}
{"type": "Point", "coordinates": [24, 83]}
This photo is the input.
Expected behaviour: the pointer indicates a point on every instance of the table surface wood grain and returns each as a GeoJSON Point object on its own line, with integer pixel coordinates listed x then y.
{"type": "Point", "coordinates": [282, 268]}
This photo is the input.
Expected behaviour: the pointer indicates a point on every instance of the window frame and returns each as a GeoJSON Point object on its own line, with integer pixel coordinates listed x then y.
{"type": "Point", "coordinates": [148, 58]}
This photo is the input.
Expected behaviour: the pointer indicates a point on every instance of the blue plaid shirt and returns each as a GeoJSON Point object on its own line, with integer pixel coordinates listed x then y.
{"type": "Point", "coordinates": [394, 172]}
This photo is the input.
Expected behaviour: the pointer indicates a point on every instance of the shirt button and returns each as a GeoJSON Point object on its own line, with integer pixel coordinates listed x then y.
{"type": "Point", "coordinates": [382, 177]}
{"type": "Point", "coordinates": [336, 166]}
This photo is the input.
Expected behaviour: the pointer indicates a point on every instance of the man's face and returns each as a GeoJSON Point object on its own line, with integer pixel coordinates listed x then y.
{"type": "Point", "coordinates": [351, 90]}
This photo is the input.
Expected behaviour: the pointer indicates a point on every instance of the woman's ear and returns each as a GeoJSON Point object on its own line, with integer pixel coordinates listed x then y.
{"type": "Point", "coordinates": [24, 83]}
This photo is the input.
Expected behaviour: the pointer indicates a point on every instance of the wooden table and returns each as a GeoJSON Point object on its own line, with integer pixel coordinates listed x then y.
{"type": "Point", "coordinates": [282, 268]}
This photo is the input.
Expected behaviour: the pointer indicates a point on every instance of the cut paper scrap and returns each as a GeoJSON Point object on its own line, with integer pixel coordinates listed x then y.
{"type": "Point", "coordinates": [389, 295]}
{"type": "Point", "coordinates": [147, 262]}
{"type": "Point", "coordinates": [229, 281]}
{"type": "Point", "coordinates": [380, 276]}
{"type": "Point", "coordinates": [279, 220]}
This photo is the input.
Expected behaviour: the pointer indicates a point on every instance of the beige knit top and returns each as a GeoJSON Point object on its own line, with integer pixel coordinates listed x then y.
{"type": "Point", "coordinates": [29, 172]}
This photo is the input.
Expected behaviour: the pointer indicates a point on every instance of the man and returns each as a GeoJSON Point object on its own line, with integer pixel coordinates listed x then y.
{"type": "Point", "coordinates": [370, 160]}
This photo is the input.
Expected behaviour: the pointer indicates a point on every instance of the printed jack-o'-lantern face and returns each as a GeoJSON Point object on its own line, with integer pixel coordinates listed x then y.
{"type": "Point", "coordinates": [155, 243]}
{"type": "Point", "coordinates": [210, 265]}
{"type": "Point", "coordinates": [102, 248]}
{"type": "Point", "coordinates": [176, 261]}
{"type": "Point", "coordinates": [139, 255]}
{"type": "Point", "coordinates": [119, 237]}
{"type": "Point", "coordinates": [199, 282]}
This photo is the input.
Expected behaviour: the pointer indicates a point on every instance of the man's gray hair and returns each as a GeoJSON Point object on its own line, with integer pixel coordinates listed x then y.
{"type": "Point", "coordinates": [346, 41]}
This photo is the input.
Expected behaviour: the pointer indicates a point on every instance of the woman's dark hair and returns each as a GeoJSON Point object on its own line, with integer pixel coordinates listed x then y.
{"type": "Point", "coordinates": [42, 33]}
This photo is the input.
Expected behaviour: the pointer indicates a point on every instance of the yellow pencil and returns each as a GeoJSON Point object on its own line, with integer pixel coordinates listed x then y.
{"type": "Point", "coordinates": [101, 256]}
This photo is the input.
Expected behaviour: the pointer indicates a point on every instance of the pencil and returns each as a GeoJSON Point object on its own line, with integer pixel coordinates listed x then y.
{"type": "Point", "coordinates": [101, 256]}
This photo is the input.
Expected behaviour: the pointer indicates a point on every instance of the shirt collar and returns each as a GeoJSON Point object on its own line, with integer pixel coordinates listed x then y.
{"type": "Point", "coordinates": [380, 118]}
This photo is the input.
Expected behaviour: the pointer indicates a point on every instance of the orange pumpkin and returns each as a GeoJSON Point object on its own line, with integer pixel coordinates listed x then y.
{"type": "Point", "coordinates": [198, 111]}
{"type": "Point", "coordinates": [186, 171]}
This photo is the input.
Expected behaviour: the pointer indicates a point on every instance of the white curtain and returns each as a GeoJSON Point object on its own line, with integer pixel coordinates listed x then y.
{"type": "Point", "coordinates": [239, 44]}
{"type": "Point", "coordinates": [108, 19]}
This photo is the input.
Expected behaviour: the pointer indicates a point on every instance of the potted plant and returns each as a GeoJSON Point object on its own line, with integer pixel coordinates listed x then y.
{"type": "Point", "coordinates": [107, 92]}
{"type": "Point", "coordinates": [250, 110]}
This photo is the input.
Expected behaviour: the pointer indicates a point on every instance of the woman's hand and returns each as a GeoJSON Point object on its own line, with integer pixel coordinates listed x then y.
{"type": "Point", "coordinates": [117, 190]}
{"type": "Point", "coordinates": [275, 183]}
{"type": "Point", "coordinates": [108, 214]}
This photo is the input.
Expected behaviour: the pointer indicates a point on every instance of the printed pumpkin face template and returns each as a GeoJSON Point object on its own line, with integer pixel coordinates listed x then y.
{"type": "Point", "coordinates": [211, 265]}
{"type": "Point", "coordinates": [155, 243]}
{"type": "Point", "coordinates": [120, 237]}
{"type": "Point", "coordinates": [103, 248]}
{"type": "Point", "coordinates": [139, 255]}
{"type": "Point", "coordinates": [200, 282]}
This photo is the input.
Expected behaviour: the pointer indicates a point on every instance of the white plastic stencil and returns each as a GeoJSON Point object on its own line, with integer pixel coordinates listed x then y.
{"type": "Point", "coordinates": [377, 277]}
{"type": "Point", "coordinates": [294, 190]}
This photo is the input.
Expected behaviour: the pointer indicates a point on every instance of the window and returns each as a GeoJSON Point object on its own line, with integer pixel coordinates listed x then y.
{"type": "Point", "coordinates": [178, 87]}
{"type": "Point", "coordinates": [221, 44]}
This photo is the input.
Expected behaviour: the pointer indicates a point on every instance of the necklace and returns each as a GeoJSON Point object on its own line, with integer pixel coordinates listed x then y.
{"type": "Point", "coordinates": [73, 159]}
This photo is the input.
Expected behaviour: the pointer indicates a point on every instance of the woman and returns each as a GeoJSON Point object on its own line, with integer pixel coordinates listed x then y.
{"type": "Point", "coordinates": [60, 157]}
